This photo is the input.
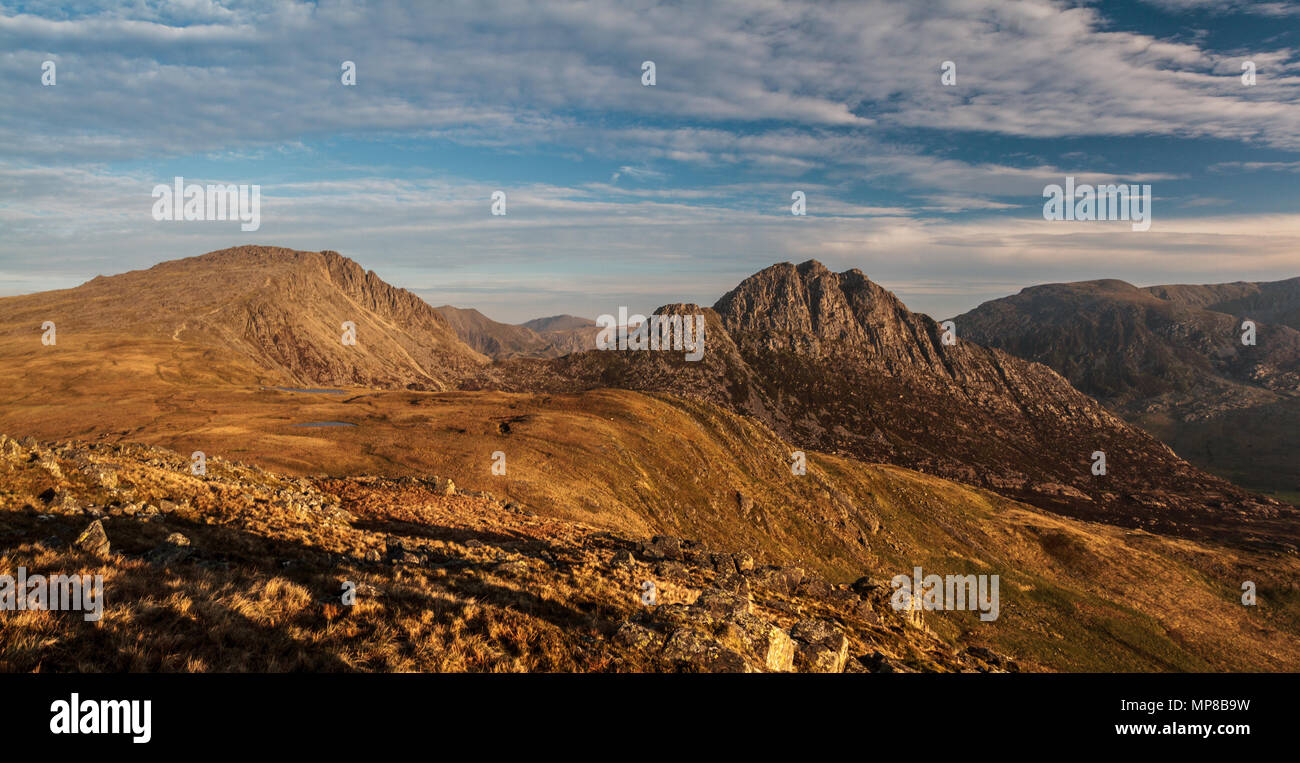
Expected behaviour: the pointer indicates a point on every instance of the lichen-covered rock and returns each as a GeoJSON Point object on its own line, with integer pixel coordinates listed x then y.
{"type": "Point", "coordinates": [699, 651]}
{"type": "Point", "coordinates": [821, 646]}
{"type": "Point", "coordinates": [93, 539]}
{"type": "Point", "coordinates": [722, 605]}
{"type": "Point", "coordinates": [637, 636]}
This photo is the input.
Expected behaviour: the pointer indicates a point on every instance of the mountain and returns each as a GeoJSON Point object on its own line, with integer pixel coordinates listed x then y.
{"type": "Point", "coordinates": [1171, 359]}
{"type": "Point", "coordinates": [539, 338]}
{"type": "Point", "coordinates": [836, 363]}
{"type": "Point", "coordinates": [599, 452]}
{"type": "Point", "coordinates": [1268, 302]}
{"type": "Point", "coordinates": [258, 312]}
{"type": "Point", "coordinates": [829, 362]}
{"type": "Point", "coordinates": [558, 323]}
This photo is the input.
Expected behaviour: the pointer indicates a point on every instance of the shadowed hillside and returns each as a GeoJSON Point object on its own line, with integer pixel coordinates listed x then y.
{"type": "Point", "coordinates": [1171, 359]}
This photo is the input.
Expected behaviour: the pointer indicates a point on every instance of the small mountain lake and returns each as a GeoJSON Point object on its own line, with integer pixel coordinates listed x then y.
{"type": "Point", "coordinates": [326, 424]}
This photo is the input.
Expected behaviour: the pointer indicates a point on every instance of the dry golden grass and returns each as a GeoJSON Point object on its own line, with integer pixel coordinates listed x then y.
{"type": "Point", "coordinates": [503, 589]}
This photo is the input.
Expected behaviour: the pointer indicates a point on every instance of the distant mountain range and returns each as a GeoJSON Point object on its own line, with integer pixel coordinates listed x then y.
{"type": "Point", "coordinates": [538, 338]}
{"type": "Point", "coordinates": [1171, 359]}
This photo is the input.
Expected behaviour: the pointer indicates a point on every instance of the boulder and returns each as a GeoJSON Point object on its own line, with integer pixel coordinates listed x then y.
{"type": "Point", "coordinates": [637, 636]}
{"type": "Point", "coordinates": [174, 549]}
{"type": "Point", "coordinates": [698, 651]}
{"type": "Point", "coordinates": [822, 646]}
{"type": "Point", "coordinates": [723, 605]}
{"type": "Point", "coordinates": [662, 547]}
{"type": "Point", "coordinates": [93, 539]}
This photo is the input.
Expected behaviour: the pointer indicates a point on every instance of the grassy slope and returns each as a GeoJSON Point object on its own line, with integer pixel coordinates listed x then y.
{"type": "Point", "coordinates": [1075, 595]}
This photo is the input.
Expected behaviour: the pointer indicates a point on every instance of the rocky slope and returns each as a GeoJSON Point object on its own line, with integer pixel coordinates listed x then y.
{"type": "Point", "coordinates": [278, 311]}
{"type": "Point", "coordinates": [1171, 359]}
{"type": "Point", "coordinates": [241, 569]}
{"type": "Point", "coordinates": [835, 362]}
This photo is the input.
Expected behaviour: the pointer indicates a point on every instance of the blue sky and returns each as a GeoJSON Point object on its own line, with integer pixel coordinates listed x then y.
{"type": "Point", "coordinates": [620, 194]}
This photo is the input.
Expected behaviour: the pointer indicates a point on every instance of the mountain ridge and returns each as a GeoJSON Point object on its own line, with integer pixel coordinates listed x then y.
{"type": "Point", "coordinates": [1167, 359]}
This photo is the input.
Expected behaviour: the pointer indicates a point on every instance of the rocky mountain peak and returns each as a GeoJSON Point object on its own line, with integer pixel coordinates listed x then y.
{"type": "Point", "coordinates": [809, 309]}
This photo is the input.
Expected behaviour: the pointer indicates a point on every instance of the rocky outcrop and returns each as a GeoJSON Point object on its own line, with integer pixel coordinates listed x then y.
{"type": "Point", "coordinates": [833, 362]}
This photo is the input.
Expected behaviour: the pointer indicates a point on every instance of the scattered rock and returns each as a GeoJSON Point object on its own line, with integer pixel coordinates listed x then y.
{"type": "Point", "coordinates": [662, 547]}
{"type": "Point", "coordinates": [637, 636]}
{"type": "Point", "coordinates": [172, 550]}
{"type": "Point", "coordinates": [93, 539]}
{"type": "Point", "coordinates": [721, 604]}
{"type": "Point", "coordinates": [702, 653]}
{"type": "Point", "coordinates": [822, 646]}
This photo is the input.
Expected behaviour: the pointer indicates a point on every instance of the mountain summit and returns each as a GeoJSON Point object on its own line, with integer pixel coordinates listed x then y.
{"type": "Point", "coordinates": [280, 311]}
{"type": "Point", "coordinates": [835, 362]}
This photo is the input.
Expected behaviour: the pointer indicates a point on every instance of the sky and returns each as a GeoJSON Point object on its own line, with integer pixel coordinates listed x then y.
{"type": "Point", "coordinates": [620, 193]}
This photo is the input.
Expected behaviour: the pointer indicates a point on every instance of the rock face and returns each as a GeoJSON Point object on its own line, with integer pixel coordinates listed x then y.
{"type": "Point", "coordinates": [1171, 359]}
{"type": "Point", "coordinates": [834, 362]}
